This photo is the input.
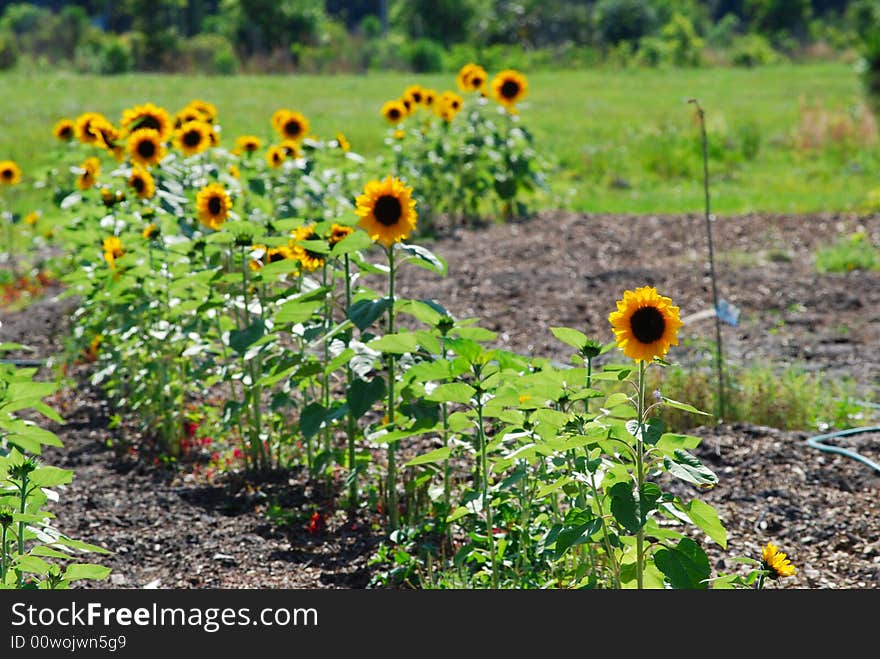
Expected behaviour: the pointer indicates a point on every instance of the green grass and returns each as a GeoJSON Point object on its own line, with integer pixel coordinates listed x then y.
{"type": "Point", "coordinates": [632, 127]}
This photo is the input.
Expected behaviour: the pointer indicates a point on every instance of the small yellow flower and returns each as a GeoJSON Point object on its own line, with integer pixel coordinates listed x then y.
{"type": "Point", "coordinates": [112, 250]}
{"type": "Point", "coordinates": [10, 173]}
{"type": "Point", "coordinates": [32, 218]}
{"type": "Point", "coordinates": [775, 562]}
{"type": "Point", "coordinates": [88, 178]}
{"type": "Point", "coordinates": [234, 172]}
{"type": "Point", "coordinates": [150, 232]}
{"type": "Point", "coordinates": [248, 143]}
{"type": "Point", "coordinates": [342, 142]}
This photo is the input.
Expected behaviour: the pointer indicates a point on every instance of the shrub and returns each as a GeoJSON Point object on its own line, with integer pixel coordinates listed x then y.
{"type": "Point", "coordinates": [624, 20]}
{"type": "Point", "coordinates": [8, 51]}
{"type": "Point", "coordinates": [425, 56]}
{"type": "Point", "coordinates": [683, 42]}
{"type": "Point", "coordinates": [753, 50]}
{"type": "Point", "coordinates": [211, 54]}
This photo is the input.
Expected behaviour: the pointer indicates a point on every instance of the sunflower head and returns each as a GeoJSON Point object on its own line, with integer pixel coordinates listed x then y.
{"type": "Point", "coordinates": [83, 127]}
{"type": "Point", "coordinates": [290, 125]}
{"type": "Point", "coordinates": [145, 147]}
{"type": "Point", "coordinates": [151, 232]}
{"type": "Point", "coordinates": [471, 78]}
{"type": "Point", "coordinates": [394, 112]}
{"type": "Point", "coordinates": [387, 211]}
{"type": "Point", "coordinates": [147, 116]}
{"type": "Point", "coordinates": [275, 156]}
{"type": "Point", "coordinates": [509, 87]}
{"type": "Point", "coordinates": [310, 260]}
{"type": "Point", "coordinates": [64, 130]}
{"type": "Point", "coordinates": [141, 181]}
{"type": "Point", "coordinates": [342, 142]}
{"type": "Point", "coordinates": [248, 143]}
{"type": "Point", "coordinates": [407, 104]}
{"type": "Point", "coordinates": [775, 562]}
{"type": "Point", "coordinates": [291, 149]}
{"type": "Point", "coordinates": [448, 105]}
{"type": "Point", "coordinates": [186, 115]}
{"type": "Point", "coordinates": [415, 94]}
{"type": "Point", "coordinates": [645, 324]}
{"type": "Point", "coordinates": [88, 176]}
{"type": "Point", "coordinates": [32, 218]}
{"type": "Point", "coordinates": [234, 171]}
{"type": "Point", "coordinates": [10, 173]}
{"type": "Point", "coordinates": [207, 112]}
{"type": "Point", "coordinates": [112, 250]}
{"type": "Point", "coordinates": [110, 197]}
{"type": "Point", "coordinates": [429, 96]}
{"type": "Point", "coordinates": [338, 233]}
{"type": "Point", "coordinates": [194, 137]}
{"type": "Point", "coordinates": [213, 204]}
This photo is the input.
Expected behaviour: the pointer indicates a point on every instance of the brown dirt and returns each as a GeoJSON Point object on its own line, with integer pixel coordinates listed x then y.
{"type": "Point", "coordinates": [169, 531]}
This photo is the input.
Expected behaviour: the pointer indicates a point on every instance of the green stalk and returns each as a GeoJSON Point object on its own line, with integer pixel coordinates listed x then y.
{"type": "Point", "coordinates": [640, 475]}
{"type": "Point", "coordinates": [615, 570]}
{"type": "Point", "coordinates": [325, 381]}
{"type": "Point", "coordinates": [3, 557]}
{"type": "Point", "coordinates": [447, 467]}
{"type": "Point", "coordinates": [22, 506]}
{"type": "Point", "coordinates": [484, 484]}
{"type": "Point", "coordinates": [392, 467]}
{"type": "Point", "coordinates": [351, 420]}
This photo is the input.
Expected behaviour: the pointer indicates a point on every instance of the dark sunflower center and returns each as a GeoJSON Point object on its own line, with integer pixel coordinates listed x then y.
{"type": "Point", "coordinates": [455, 105]}
{"type": "Point", "coordinates": [215, 206]}
{"type": "Point", "coordinates": [192, 138]}
{"type": "Point", "coordinates": [388, 210]}
{"type": "Point", "coordinates": [6, 174]}
{"type": "Point", "coordinates": [510, 89]}
{"type": "Point", "coordinates": [149, 121]}
{"type": "Point", "coordinates": [138, 184]}
{"type": "Point", "coordinates": [146, 149]}
{"type": "Point", "coordinates": [477, 82]}
{"type": "Point", "coordinates": [417, 98]}
{"type": "Point", "coordinates": [250, 146]}
{"type": "Point", "coordinates": [276, 256]}
{"type": "Point", "coordinates": [66, 132]}
{"type": "Point", "coordinates": [292, 128]}
{"type": "Point", "coordinates": [394, 113]}
{"type": "Point", "coordinates": [647, 324]}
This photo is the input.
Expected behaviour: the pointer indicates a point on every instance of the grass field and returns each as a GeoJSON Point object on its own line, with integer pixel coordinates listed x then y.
{"type": "Point", "coordinates": [620, 141]}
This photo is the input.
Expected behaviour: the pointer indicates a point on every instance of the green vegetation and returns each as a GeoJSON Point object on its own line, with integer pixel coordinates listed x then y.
{"type": "Point", "coordinates": [849, 253]}
{"type": "Point", "coordinates": [783, 138]}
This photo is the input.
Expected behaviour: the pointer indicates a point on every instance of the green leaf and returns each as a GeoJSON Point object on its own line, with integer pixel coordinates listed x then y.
{"type": "Point", "coordinates": [420, 310]}
{"type": "Point", "coordinates": [454, 392]}
{"type": "Point", "coordinates": [578, 528]}
{"type": "Point", "coordinates": [241, 340]}
{"type": "Point", "coordinates": [50, 476]}
{"type": "Point", "coordinates": [395, 343]}
{"type": "Point", "coordinates": [362, 394]}
{"type": "Point", "coordinates": [685, 565]}
{"type": "Point", "coordinates": [353, 242]}
{"type": "Point", "coordinates": [467, 349]}
{"type": "Point", "coordinates": [683, 406]}
{"type": "Point", "coordinates": [423, 257]}
{"type": "Point", "coordinates": [668, 442]}
{"type": "Point", "coordinates": [364, 313]}
{"type": "Point", "coordinates": [297, 311]}
{"type": "Point", "coordinates": [76, 571]}
{"type": "Point", "coordinates": [572, 337]}
{"type": "Point", "coordinates": [689, 468]}
{"type": "Point", "coordinates": [311, 418]}
{"type": "Point", "coordinates": [616, 399]}
{"type": "Point", "coordinates": [653, 430]}
{"type": "Point", "coordinates": [436, 455]}
{"type": "Point", "coordinates": [706, 518]}
{"type": "Point", "coordinates": [32, 564]}
{"type": "Point", "coordinates": [630, 512]}
{"type": "Point", "coordinates": [48, 552]}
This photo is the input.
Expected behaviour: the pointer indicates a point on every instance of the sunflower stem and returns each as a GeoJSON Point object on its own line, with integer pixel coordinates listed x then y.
{"type": "Point", "coordinates": [640, 475]}
{"type": "Point", "coordinates": [392, 467]}
{"type": "Point", "coordinates": [719, 354]}
{"type": "Point", "coordinates": [351, 420]}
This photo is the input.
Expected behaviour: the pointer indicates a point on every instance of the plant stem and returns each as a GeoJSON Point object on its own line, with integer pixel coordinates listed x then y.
{"type": "Point", "coordinates": [392, 467]}
{"type": "Point", "coordinates": [719, 354]}
{"type": "Point", "coordinates": [351, 420]}
{"type": "Point", "coordinates": [484, 484]}
{"type": "Point", "coordinates": [640, 475]}
{"type": "Point", "coordinates": [3, 557]}
{"type": "Point", "coordinates": [21, 525]}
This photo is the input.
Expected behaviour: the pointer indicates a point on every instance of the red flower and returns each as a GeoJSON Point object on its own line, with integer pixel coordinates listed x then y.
{"type": "Point", "coordinates": [316, 524]}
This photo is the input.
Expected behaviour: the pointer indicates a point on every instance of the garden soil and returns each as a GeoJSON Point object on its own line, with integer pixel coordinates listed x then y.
{"type": "Point", "coordinates": [168, 529]}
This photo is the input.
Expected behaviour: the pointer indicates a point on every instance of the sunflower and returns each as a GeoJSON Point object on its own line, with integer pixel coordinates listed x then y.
{"type": "Point", "coordinates": [645, 324]}
{"type": "Point", "coordinates": [32, 218]}
{"type": "Point", "coordinates": [10, 173]}
{"type": "Point", "coordinates": [88, 177]}
{"type": "Point", "coordinates": [291, 125]}
{"type": "Point", "coordinates": [451, 100]}
{"type": "Point", "coordinates": [107, 136]}
{"type": "Point", "coordinates": [150, 232]}
{"type": "Point", "coordinates": [429, 96]}
{"type": "Point", "coordinates": [186, 115]}
{"type": "Point", "coordinates": [387, 211]}
{"type": "Point", "coordinates": [207, 111]}
{"type": "Point", "coordinates": [338, 233]}
{"type": "Point", "coordinates": [142, 182]}
{"type": "Point", "coordinates": [83, 127]}
{"type": "Point", "coordinates": [342, 142]}
{"type": "Point", "coordinates": [509, 88]}
{"type": "Point", "coordinates": [471, 78]}
{"type": "Point", "coordinates": [194, 137]}
{"type": "Point", "coordinates": [415, 94]}
{"type": "Point", "coordinates": [275, 155]}
{"type": "Point", "coordinates": [291, 149]}
{"type": "Point", "coordinates": [147, 116]}
{"type": "Point", "coordinates": [213, 204]}
{"type": "Point", "coordinates": [775, 562]}
{"type": "Point", "coordinates": [145, 147]}
{"type": "Point", "coordinates": [113, 250]}
{"type": "Point", "coordinates": [248, 143]}
{"type": "Point", "coordinates": [310, 260]}
{"type": "Point", "coordinates": [278, 118]}
{"type": "Point", "coordinates": [234, 171]}
{"type": "Point", "coordinates": [394, 112]}
{"type": "Point", "coordinates": [110, 198]}
{"type": "Point", "coordinates": [407, 104]}
{"type": "Point", "coordinates": [64, 130]}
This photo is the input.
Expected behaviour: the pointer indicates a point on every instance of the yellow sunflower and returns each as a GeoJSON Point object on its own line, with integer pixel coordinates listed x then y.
{"type": "Point", "coordinates": [387, 211]}
{"type": "Point", "coordinates": [429, 96]}
{"type": "Point", "coordinates": [10, 173]}
{"type": "Point", "coordinates": [509, 87]}
{"type": "Point", "coordinates": [471, 78]}
{"type": "Point", "coordinates": [194, 137]}
{"type": "Point", "coordinates": [775, 562]}
{"type": "Point", "coordinates": [338, 233]}
{"type": "Point", "coordinates": [213, 204]}
{"type": "Point", "coordinates": [645, 324]}
{"type": "Point", "coordinates": [291, 149]}
{"type": "Point", "coordinates": [141, 181]}
{"type": "Point", "coordinates": [275, 254]}
{"type": "Point", "coordinates": [342, 142]}
{"type": "Point", "coordinates": [407, 104]}
{"type": "Point", "coordinates": [88, 177]}
{"type": "Point", "coordinates": [150, 232]}
{"type": "Point", "coordinates": [248, 143]}
{"type": "Point", "coordinates": [113, 250]}
{"type": "Point", "coordinates": [394, 112]}
{"type": "Point", "coordinates": [64, 130]}
{"type": "Point", "coordinates": [292, 126]}
{"type": "Point", "coordinates": [147, 116]}
{"type": "Point", "coordinates": [108, 136]}
{"type": "Point", "coordinates": [145, 147]}
{"type": "Point", "coordinates": [310, 260]}
{"type": "Point", "coordinates": [234, 171]}
{"type": "Point", "coordinates": [415, 94]}
{"type": "Point", "coordinates": [110, 197]}
{"type": "Point", "coordinates": [186, 115]}
{"type": "Point", "coordinates": [32, 218]}
{"type": "Point", "coordinates": [206, 111]}
{"type": "Point", "coordinates": [278, 118]}
{"type": "Point", "coordinates": [275, 155]}
{"type": "Point", "coordinates": [83, 127]}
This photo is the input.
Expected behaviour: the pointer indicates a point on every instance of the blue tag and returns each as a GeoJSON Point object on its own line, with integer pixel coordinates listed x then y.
{"type": "Point", "coordinates": [728, 313]}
